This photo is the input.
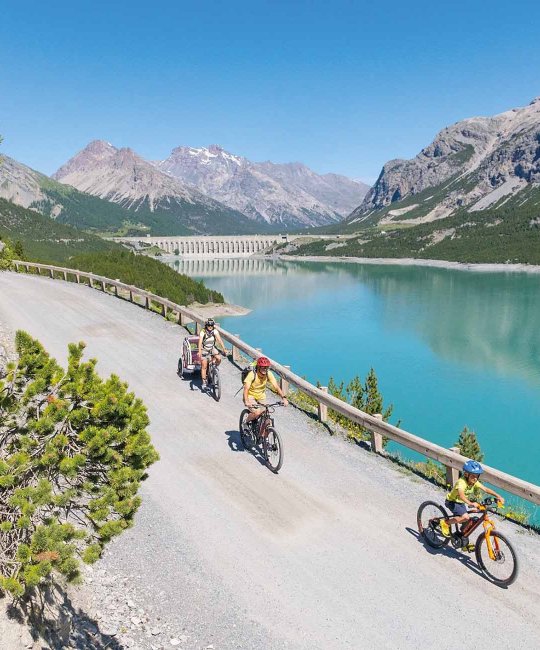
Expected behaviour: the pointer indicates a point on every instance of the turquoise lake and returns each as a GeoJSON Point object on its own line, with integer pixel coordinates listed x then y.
{"type": "Point", "coordinates": [450, 348]}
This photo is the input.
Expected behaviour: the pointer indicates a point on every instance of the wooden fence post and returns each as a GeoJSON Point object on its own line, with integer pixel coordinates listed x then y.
{"type": "Point", "coordinates": [235, 352]}
{"type": "Point", "coordinates": [323, 409]}
{"type": "Point", "coordinates": [376, 438]}
{"type": "Point", "coordinates": [78, 278]}
{"type": "Point", "coordinates": [283, 383]}
{"type": "Point", "coordinates": [65, 276]}
{"type": "Point", "coordinates": [51, 273]}
{"type": "Point", "coordinates": [197, 327]}
{"type": "Point", "coordinates": [103, 286]}
{"type": "Point", "coordinates": [164, 310]}
{"type": "Point", "coordinates": [130, 295]}
{"type": "Point", "coordinates": [452, 474]}
{"type": "Point", "coordinates": [147, 302]}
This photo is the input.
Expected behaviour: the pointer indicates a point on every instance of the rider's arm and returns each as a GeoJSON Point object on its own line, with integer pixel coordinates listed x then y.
{"type": "Point", "coordinates": [220, 341]}
{"type": "Point", "coordinates": [276, 387]}
{"type": "Point", "coordinates": [200, 342]}
{"type": "Point", "coordinates": [493, 494]}
{"type": "Point", "coordinates": [245, 395]}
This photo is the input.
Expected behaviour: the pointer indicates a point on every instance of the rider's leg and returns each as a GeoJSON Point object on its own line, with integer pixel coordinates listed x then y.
{"type": "Point", "coordinates": [458, 520]}
{"type": "Point", "coordinates": [254, 414]}
{"type": "Point", "coordinates": [459, 510]}
{"type": "Point", "coordinates": [204, 366]}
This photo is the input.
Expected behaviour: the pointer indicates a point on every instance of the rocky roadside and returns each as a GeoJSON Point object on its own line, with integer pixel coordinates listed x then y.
{"type": "Point", "coordinates": [108, 611]}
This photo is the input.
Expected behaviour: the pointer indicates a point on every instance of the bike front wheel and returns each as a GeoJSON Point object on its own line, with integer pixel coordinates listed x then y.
{"type": "Point", "coordinates": [502, 568]}
{"type": "Point", "coordinates": [428, 517]}
{"type": "Point", "coordinates": [273, 450]}
{"type": "Point", "coordinates": [216, 385]}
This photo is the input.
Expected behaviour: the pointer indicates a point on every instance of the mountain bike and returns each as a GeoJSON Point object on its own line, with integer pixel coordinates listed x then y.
{"type": "Point", "coordinates": [212, 379]}
{"type": "Point", "coordinates": [262, 432]}
{"type": "Point", "coordinates": [494, 553]}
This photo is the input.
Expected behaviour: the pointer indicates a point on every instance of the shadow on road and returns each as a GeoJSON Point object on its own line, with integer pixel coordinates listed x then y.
{"type": "Point", "coordinates": [449, 551]}
{"type": "Point", "coordinates": [51, 616]}
{"type": "Point", "coordinates": [194, 379]}
{"type": "Point", "coordinates": [234, 441]}
{"type": "Point", "coordinates": [235, 444]}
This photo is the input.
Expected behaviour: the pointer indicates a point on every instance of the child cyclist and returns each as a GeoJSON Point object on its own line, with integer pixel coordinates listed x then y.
{"type": "Point", "coordinates": [463, 494]}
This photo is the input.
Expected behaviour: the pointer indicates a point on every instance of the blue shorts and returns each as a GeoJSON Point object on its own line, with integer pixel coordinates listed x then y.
{"type": "Point", "coordinates": [457, 509]}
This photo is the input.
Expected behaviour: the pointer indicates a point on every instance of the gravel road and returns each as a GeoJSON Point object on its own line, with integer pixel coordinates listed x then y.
{"type": "Point", "coordinates": [224, 554]}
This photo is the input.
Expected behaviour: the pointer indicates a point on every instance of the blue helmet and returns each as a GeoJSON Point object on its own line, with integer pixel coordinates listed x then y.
{"type": "Point", "coordinates": [473, 467]}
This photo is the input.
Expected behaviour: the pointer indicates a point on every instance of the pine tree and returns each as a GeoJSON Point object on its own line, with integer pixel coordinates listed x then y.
{"type": "Point", "coordinates": [18, 250]}
{"type": "Point", "coordinates": [469, 446]}
{"type": "Point", "coordinates": [73, 451]}
{"type": "Point", "coordinates": [372, 398]}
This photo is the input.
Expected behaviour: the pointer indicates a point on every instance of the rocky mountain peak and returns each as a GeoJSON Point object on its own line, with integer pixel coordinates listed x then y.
{"type": "Point", "coordinates": [290, 194]}
{"type": "Point", "coordinates": [476, 163]}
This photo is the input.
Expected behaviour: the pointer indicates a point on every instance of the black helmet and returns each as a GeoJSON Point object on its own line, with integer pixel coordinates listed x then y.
{"type": "Point", "coordinates": [210, 322]}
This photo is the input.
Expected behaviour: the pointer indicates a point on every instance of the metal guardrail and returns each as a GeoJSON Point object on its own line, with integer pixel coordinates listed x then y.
{"type": "Point", "coordinates": [378, 429]}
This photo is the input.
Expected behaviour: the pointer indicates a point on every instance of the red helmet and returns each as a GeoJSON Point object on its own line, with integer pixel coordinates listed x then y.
{"type": "Point", "coordinates": [263, 362]}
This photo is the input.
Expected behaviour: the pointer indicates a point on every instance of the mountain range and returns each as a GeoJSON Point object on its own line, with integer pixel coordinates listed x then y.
{"type": "Point", "coordinates": [107, 189]}
{"type": "Point", "coordinates": [287, 195]}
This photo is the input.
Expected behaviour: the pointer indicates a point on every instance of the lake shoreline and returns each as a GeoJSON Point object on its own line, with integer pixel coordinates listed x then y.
{"type": "Point", "coordinates": [218, 309]}
{"type": "Point", "coordinates": [412, 261]}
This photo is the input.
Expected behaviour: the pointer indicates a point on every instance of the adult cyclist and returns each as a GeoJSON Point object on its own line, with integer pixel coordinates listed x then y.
{"type": "Point", "coordinates": [255, 388]}
{"type": "Point", "coordinates": [463, 494]}
{"type": "Point", "coordinates": [209, 339]}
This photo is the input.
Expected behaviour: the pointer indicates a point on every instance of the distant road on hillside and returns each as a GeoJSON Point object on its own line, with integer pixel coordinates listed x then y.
{"type": "Point", "coordinates": [322, 556]}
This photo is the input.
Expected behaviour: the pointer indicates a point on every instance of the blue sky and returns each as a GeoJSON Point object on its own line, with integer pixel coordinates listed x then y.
{"type": "Point", "coordinates": [342, 86]}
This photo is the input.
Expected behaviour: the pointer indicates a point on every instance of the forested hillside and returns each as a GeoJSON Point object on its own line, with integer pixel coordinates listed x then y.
{"type": "Point", "coordinates": [510, 233]}
{"type": "Point", "coordinates": [46, 240]}
{"type": "Point", "coordinates": [40, 239]}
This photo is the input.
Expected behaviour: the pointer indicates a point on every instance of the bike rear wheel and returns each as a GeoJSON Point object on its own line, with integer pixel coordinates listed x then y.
{"type": "Point", "coordinates": [429, 514]}
{"type": "Point", "coordinates": [273, 450]}
{"type": "Point", "coordinates": [245, 437]}
{"type": "Point", "coordinates": [503, 569]}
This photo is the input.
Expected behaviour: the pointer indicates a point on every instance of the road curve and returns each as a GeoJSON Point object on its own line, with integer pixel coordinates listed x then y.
{"type": "Point", "coordinates": [324, 555]}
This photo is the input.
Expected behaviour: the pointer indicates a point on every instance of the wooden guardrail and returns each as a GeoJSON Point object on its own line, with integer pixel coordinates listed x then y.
{"type": "Point", "coordinates": [378, 429]}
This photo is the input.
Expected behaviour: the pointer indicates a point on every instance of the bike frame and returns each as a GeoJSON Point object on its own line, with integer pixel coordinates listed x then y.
{"type": "Point", "coordinates": [264, 420]}
{"type": "Point", "coordinates": [487, 523]}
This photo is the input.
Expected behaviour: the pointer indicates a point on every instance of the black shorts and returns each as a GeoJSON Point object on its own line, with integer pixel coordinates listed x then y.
{"type": "Point", "coordinates": [455, 508]}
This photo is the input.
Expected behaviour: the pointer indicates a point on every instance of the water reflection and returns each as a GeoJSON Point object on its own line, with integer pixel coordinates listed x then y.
{"type": "Point", "coordinates": [490, 321]}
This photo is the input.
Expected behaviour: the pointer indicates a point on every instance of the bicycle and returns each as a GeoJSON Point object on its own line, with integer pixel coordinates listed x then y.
{"type": "Point", "coordinates": [213, 380]}
{"type": "Point", "coordinates": [493, 551]}
{"type": "Point", "coordinates": [262, 431]}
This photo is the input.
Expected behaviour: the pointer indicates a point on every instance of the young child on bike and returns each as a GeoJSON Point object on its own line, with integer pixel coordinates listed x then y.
{"type": "Point", "coordinates": [464, 493]}
{"type": "Point", "coordinates": [255, 388]}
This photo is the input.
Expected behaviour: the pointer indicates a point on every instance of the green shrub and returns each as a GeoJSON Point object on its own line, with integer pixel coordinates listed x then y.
{"type": "Point", "coordinates": [74, 451]}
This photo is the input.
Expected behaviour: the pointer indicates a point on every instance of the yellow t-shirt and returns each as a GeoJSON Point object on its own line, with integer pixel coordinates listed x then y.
{"type": "Point", "coordinates": [469, 490]}
{"type": "Point", "coordinates": [257, 386]}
